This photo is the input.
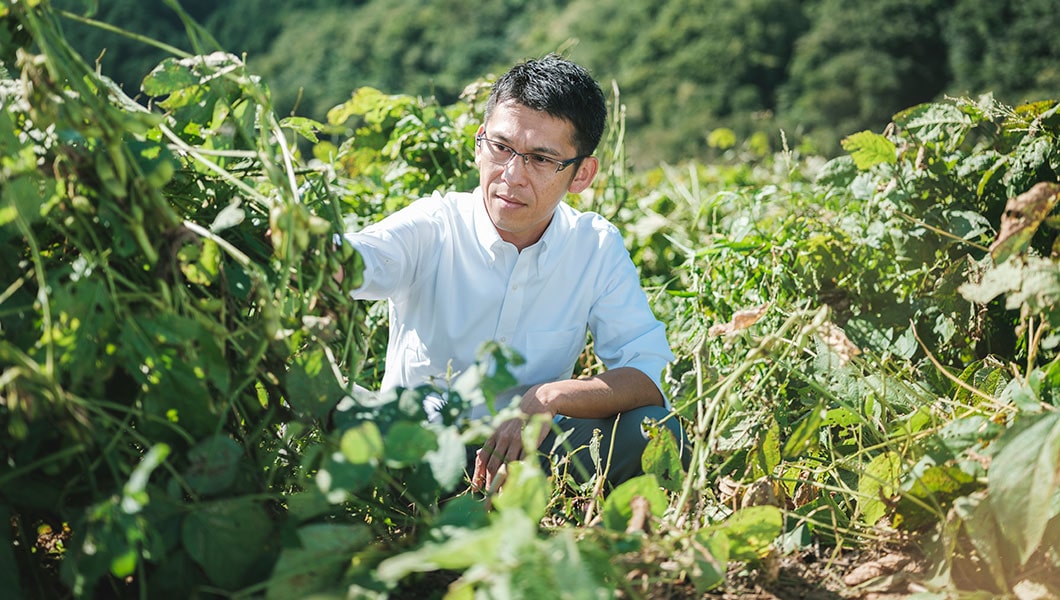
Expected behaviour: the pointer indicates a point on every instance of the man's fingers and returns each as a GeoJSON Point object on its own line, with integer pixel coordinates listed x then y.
{"type": "Point", "coordinates": [503, 447]}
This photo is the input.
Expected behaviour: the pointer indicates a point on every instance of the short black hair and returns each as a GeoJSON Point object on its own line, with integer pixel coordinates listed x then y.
{"type": "Point", "coordinates": [561, 88]}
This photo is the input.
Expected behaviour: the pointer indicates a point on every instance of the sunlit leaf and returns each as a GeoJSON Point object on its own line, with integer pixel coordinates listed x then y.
{"type": "Point", "coordinates": [1023, 479]}
{"type": "Point", "coordinates": [869, 149]}
{"type": "Point", "coordinates": [407, 443]}
{"type": "Point", "coordinates": [662, 458]}
{"type": "Point", "coordinates": [303, 126]}
{"type": "Point", "coordinates": [170, 75]}
{"type": "Point", "coordinates": [510, 531]}
{"type": "Point", "coordinates": [751, 531]}
{"type": "Point", "coordinates": [618, 508]}
{"type": "Point", "coordinates": [525, 489]}
{"type": "Point", "coordinates": [229, 217]}
{"type": "Point", "coordinates": [805, 435]}
{"type": "Point", "coordinates": [362, 444]}
{"type": "Point", "coordinates": [877, 485]}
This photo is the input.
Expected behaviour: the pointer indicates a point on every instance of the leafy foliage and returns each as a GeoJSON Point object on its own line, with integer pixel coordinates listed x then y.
{"type": "Point", "coordinates": [819, 70]}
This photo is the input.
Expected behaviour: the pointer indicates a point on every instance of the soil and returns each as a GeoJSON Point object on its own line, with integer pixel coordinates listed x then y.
{"type": "Point", "coordinates": [862, 575]}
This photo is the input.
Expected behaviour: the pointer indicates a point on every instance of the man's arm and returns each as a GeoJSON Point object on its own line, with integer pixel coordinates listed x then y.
{"type": "Point", "coordinates": [597, 397]}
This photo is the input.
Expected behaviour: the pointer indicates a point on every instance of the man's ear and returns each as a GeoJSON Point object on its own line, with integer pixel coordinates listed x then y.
{"type": "Point", "coordinates": [478, 152]}
{"type": "Point", "coordinates": [583, 177]}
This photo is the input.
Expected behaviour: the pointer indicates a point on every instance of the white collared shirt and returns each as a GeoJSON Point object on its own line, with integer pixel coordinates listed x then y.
{"type": "Point", "coordinates": [454, 284]}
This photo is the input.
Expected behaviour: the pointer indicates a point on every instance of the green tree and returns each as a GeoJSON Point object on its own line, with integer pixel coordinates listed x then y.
{"type": "Point", "coordinates": [862, 62]}
{"type": "Point", "coordinates": [1005, 47]}
{"type": "Point", "coordinates": [686, 67]}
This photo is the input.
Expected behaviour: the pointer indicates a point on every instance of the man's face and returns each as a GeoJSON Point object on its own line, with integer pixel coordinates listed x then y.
{"type": "Point", "coordinates": [520, 201]}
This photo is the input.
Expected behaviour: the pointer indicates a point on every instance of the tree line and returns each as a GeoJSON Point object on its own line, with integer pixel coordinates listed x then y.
{"type": "Point", "coordinates": [816, 70]}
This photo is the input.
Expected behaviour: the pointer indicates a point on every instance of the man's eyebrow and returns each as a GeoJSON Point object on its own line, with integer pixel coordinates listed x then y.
{"type": "Point", "coordinates": [500, 137]}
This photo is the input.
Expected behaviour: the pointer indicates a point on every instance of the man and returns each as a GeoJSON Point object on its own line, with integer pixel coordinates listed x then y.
{"type": "Point", "coordinates": [510, 262]}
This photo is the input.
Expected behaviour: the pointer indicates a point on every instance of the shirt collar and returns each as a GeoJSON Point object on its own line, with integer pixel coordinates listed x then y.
{"type": "Point", "coordinates": [547, 247]}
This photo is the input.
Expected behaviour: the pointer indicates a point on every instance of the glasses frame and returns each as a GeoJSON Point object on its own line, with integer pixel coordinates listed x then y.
{"type": "Point", "coordinates": [561, 165]}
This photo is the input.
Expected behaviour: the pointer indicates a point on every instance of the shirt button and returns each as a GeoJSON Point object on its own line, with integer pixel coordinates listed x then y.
{"type": "Point", "coordinates": [503, 339]}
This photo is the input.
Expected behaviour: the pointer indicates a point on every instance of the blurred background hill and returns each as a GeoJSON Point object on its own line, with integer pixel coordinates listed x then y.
{"type": "Point", "coordinates": [697, 77]}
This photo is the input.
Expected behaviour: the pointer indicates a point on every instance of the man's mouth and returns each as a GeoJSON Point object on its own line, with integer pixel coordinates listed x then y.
{"type": "Point", "coordinates": [509, 201]}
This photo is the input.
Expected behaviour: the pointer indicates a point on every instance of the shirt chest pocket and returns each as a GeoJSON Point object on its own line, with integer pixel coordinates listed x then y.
{"type": "Point", "coordinates": [551, 355]}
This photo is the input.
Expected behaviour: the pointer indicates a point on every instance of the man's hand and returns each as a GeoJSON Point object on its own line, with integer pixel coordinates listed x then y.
{"type": "Point", "coordinates": [506, 443]}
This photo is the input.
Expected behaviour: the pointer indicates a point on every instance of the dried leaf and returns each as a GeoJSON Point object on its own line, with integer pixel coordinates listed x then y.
{"type": "Point", "coordinates": [836, 339]}
{"type": "Point", "coordinates": [885, 565]}
{"type": "Point", "coordinates": [1021, 219]}
{"type": "Point", "coordinates": [742, 319]}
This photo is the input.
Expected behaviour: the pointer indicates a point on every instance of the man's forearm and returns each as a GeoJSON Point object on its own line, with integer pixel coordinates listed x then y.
{"type": "Point", "coordinates": [600, 396]}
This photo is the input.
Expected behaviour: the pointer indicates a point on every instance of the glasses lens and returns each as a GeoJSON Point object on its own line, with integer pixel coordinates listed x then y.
{"type": "Point", "coordinates": [535, 163]}
{"type": "Point", "coordinates": [499, 153]}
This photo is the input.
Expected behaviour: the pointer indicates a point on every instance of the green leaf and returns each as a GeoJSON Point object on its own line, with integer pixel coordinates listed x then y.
{"type": "Point", "coordinates": [495, 547]}
{"type": "Point", "coordinates": [1023, 479]}
{"type": "Point", "coordinates": [987, 535]}
{"type": "Point", "coordinates": [318, 562]}
{"type": "Point", "coordinates": [312, 386]}
{"type": "Point", "coordinates": [303, 126]}
{"type": "Point", "coordinates": [618, 509]}
{"type": "Point", "coordinates": [935, 123]}
{"type": "Point", "coordinates": [337, 479]}
{"type": "Point", "coordinates": [169, 76]}
{"type": "Point", "coordinates": [805, 435]}
{"type": "Point", "coordinates": [230, 540]}
{"type": "Point", "coordinates": [869, 149]}
{"type": "Point", "coordinates": [20, 197]}
{"type": "Point", "coordinates": [362, 444]}
{"type": "Point", "coordinates": [526, 489]}
{"type": "Point", "coordinates": [767, 452]}
{"type": "Point", "coordinates": [711, 557]}
{"type": "Point", "coordinates": [407, 443]}
{"type": "Point", "coordinates": [751, 531]}
{"type": "Point", "coordinates": [877, 484]}
{"type": "Point", "coordinates": [662, 457]}
{"type": "Point", "coordinates": [213, 464]}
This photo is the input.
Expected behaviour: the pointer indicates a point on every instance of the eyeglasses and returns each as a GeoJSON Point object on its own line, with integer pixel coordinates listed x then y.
{"type": "Point", "coordinates": [501, 154]}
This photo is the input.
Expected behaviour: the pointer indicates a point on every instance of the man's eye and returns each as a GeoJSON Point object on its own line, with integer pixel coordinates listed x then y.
{"type": "Point", "coordinates": [500, 148]}
{"type": "Point", "coordinates": [540, 160]}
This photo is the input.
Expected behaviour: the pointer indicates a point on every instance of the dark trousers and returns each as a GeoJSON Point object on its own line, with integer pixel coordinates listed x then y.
{"type": "Point", "coordinates": [622, 442]}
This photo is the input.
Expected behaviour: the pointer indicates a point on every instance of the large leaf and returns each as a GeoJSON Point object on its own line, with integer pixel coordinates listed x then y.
{"type": "Point", "coordinates": [495, 547]}
{"type": "Point", "coordinates": [751, 531]}
{"type": "Point", "coordinates": [231, 540]}
{"type": "Point", "coordinates": [213, 464]}
{"type": "Point", "coordinates": [618, 508]}
{"type": "Point", "coordinates": [323, 553]}
{"type": "Point", "coordinates": [526, 489]}
{"type": "Point", "coordinates": [935, 123]}
{"type": "Point", "coordinates": [662, 458]}
{"type": "Point", "coordinates": [313, 388]}
{"type": "Point", "coordinates": [877, 484]}
{"type": "Point", "coordinates": [1023, 479]}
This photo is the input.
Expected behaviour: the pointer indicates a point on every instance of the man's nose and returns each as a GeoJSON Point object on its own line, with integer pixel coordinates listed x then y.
{"type": "Point", "coordinates": [511, 172]}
